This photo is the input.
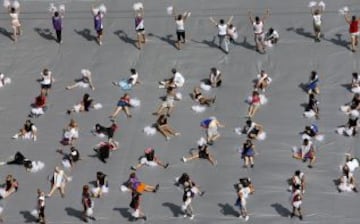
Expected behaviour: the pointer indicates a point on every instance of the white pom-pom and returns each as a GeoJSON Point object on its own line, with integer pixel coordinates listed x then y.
{"type": "Point", "coordinates": [238, 130]}
{"type": "Point", "coordinates": [201, 141]}
{"type": "Point", "coordinates": [62, 8]}
{"type": "Point", "coordinates": [309, 114]}
{"type": "Point", "coordinates": [7, 80]}
{"type": "Point", "coordinates": [355, 89]}
{"type": "Point", "coordinates": [36, 166]}
{"type": "Point", "coordinates": [16, 4]}
{"type": "Point", "coordinates": [34, 213]}
{"type": "Point", "coordinates": [322, 5]}
{"type": "Point", "coordinates": [345, 108]}
{"type": "Point", "coordinates": [89, 212]}
{"type": "Point", "coordinates": [85, 72]}
{"type": "Point", "coordinates": [340, 130]}
{"type": "Point", "coordinates": [102, 8]}
{"type": "Point", "coordinates": [312, 4]}
{"type": "Point", "coordinates": [6, 3]}
{"type": "Point", "coordinates": [354, 113]}
{"type": "Point", "coordinates": [248, 99]}
{"type": "Point", "coordinates": [77, 108]}
{"type": "Point", "coordinates": [98, 106]}
{"type": "Point", "coordinates": [135, 102]}
{"type": "Point", "coordinates": [2, 75]}
{"type": "Point", "coordinates": [52, 8]}
{"type": "Point", "coordinates": [124, 188]}
{"type": "Point", "coordinates": [136, 213]}
{"type": "Point", "coordinates": [69, 179]}
{"type": "Point", "coordinates": [261, 136]}
{"type": "Point", "coordinates": [349, 131]}
{"type": "Point", "coordinates": [198, 108]}
{"type": "Point", "coordinates": [149, 131]}
{"type": "Point", "coordinates": [263, 99]}
{"type": "Point", "coordinates": [105, 189]}
{"type": "Point", "coordinates": [95, 11]}
{"type": "Point", "coordinates": [344, 10]}
{"type": "Point", "coordinates": [319, 138]}
{"type": "Point", "coordinates": [170, 10]}
{"type": "Point", "coordinates": [205, 87]}
{"type": "Point", "coordinates": [178, 95]}
{"type": "Point", "coordinates": [137, 6]}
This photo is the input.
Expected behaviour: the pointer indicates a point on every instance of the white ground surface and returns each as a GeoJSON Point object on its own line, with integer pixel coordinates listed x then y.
{"type": "Point", "coordinates": [289, 64]}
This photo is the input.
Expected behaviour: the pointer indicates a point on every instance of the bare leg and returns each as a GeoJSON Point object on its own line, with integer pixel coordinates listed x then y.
{"type": "Point", "coordinates": [116, 112]}
{"type": "Point", "coordinates": [163, 132]}
{"type": "Point", "coordinates": [196, 156]}
{"type": "Point", "coordinates": [127, 112]}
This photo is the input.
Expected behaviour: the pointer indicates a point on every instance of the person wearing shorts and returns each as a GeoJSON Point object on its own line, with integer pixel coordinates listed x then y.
{"type": "Point", "coordinates": [140, 28]}
{"type": "Point", "coordinates": [353, 30]}
{"type": "Point", "coordinates": [211, 125]}
{"type": "Point", "coordinates": [202, 153]}
{"type": "Point", "coordinates": [258, 27]}
{"type": "Point", "coordinates": [123, 104]}
{"type": "Point", "coordinates": [180, 28]}
{"type": "Point", "coordinates": [316, 14]}
{"type": "Point", "coordinates": [222, 32]}
{"type": "Point", "coordinates": [149, 159]}
{"type": "Point", "coordinates": [296, 201]}
{"type": "Point", "coordinates": [98, 24]}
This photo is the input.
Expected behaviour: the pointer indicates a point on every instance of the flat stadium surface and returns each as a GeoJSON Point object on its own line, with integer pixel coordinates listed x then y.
{"type": "Point", "coordinates": [289, 64]}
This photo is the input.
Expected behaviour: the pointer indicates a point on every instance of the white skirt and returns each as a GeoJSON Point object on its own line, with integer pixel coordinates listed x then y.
{"type": "Point", "coordinates": [309, 114]}
{"type": "Point", "coordinates": [104, 189]}
{"type": "Point", "coordinates": [149, 131]}
{"type": "Point", "coordinates": [343, 187]}
{"type": "Point", "coordinates": [297, 204]}
{"type": "Point", "coordinates": [37, 111]}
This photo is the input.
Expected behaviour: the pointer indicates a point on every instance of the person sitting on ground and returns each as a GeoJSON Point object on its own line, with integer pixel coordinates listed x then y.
{"type": "Point", "coordinates": [169, 103]}
{"type": "Point", "coordinates": [253, 130]}
{"type": "Point", "coordinates": [312, 108]}
{"type": "Point", "coordinates": [271, 37]}
{"type": "Point", "coordinates": [355, 83]}
{"type": "Point", "coordinates": [39, 106]}
{"type": "Point", "coordinates": [198, 97]}
{"type": "Point", "coordinates": [247, 153]}
{"type": "Point", "coordinates": [122, 105]}
{"type": "Point", "coordinates": [263, 81]}
{"type": "Point", "coordinates": [202, 153]}
{"type": "Point", "coordinates": [351, 162]}
{"type": "Point", "coordinates": [347, 181]}
{"type": "Point", "coordinates": [84, 106]}
{"type": "Point", "coordinates": [350, 129]}
{"type": "Point", "coordinates": [71, 133]}
{"type": "Point", "coordinates": [312, 86]}
{"type": "Point", "coordinates": [103, 131]}
{"type": "Point", "coordinates": [29, 131]}
{"type": "Point", "coordinates": [164, 128]}
{"type": "Point", "coordinates": [127, 84]}
{"type": "Point", "coordinates": [104, 149]}
{"type": "Point", "coordinates": [185, 178]}
{"type": "Point", "coordinates": [84, 82]}
{"type": "Point", "coordinates": [135, 185]}
{"type": "Point", "coordinates": [305, 152]}
{"type": "Point", "coordinates": [20, 159]}
{"type": "Point", "coordinates": [69, 159]}
{"type": "Point", "coordinates": [215, 77]}
{"type": "Point", "coordinates": [11, 186]}
{"type": "Point", "coordinates": [177, 80]}
{"type": "Point", "coordinates": [254, 104]}
{"type": "Point", "coordinates": [149, 159]}
{"type": "Point", "coordinates": [312, 132]}
{"type": "Point", "coordinates": [102, 185]}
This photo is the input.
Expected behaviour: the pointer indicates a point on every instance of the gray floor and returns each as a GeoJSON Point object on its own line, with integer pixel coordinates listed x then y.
{"type": "Point", "coordinates": [289, 63]}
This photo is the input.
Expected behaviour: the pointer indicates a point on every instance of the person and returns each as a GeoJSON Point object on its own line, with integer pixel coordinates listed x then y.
{"type": "Point", "coordinates": [15, 22]}
{"type": "Point", "coordinates": [135, 205]}
{"type": "Point", "coordinates": [10, 187]}
{"type": "Point", "coordinates": [312, 132]}
{"type": "Point", "coordinates": [271, 37]}
{"type": "Point", "coordinates": [296, 201]}
{"type": "Point", "coordinates": [244, 189]}
{"type": "Point", "coordinates": [149, 159]}
{"type": "Point", "coordinates": [4, 80]}
{"type": "Point", "coordinates": [135, 185]}
{"type": "Point", "coordinates": [58, 25]}
{"type": "Point", "coordinates": [353, 30]}
{"type": "Point", "coordinates": [164, 128]}
{"type": "Point", "coordinates": [176, 81]}
{"type": "Point", "coordinates": [187, 199]}
{"type": "Point", "coordinates": [254, 104]}
{"type": "Point", "coordinates": [20, 159]}
{"type": "Point", "coordinates": [351, 162]}
{"type": "Point", "coordinates": [185, 178]}
{"type": "Point", "coordinates": [312, 108]}
{"type": "Point", "coordinates": [297, 179]}
{"type": "Point", "coordinates": [222, 32]}
{"type": "Point", "coordinates": [39, 106]}
{"type": "Point", "coordinates": [102, 185]}
{"type": "Point", "coordinates": [354, 105]}
{"type": "Point", "coordinates": [254, 130]}
{"type": "Point", "coordinates": [247, 153]}
{"type": "Point", "coordinates": [130, 82]}
{"type": "Point", "coordinates": [46, 81]}
{"type": "Point", "coordinates": [305, 152]}
{"type": "Point", "coordinates": [88, 204]}
{"type": "Point", "coordinates": [198, 97]}
{"type": "Point", "coordinates": [350, 129]}
{"type": "Point", "coordinates": [263, 81]}
{"type": "Point", "coordinates": [84, 106]}
{"type": "Point", "coordinates": [211, 125]}
{"type": "Point", "coordinates": [168, 104]}
{"type": "Point", "coordinates": [103, 131]}
{"type": "Point", "coordinates": [84, 82]}
{"type": "Point", "coordinates": [347, 181]}
{"type": "Point", "coordinates": [180, 28]}
{"type": "Point", "coordinates": [312, 85]}
{"type": "Point", "coordinates": [104, 149]}
{"type": "Point", "coordinates": [202, 153]}
{"type": "Point", "coordinates": [355, 83]}
{"type": "Point", "coordinates": [29, 131]}
{"type": "Point", "coordinates": [232, 33]}
{"type": "Point", "coordinates": [215, 77]}
{"type": "Point", "coordinates": [140, 28]}
{"type": "Point", "coordinates": [258, 27]}
{"type": "Point", "coordinates": [98, 23]}
{"type": "Point", "coordinates": [316, 14]}
{"type": "Point", "coordinates": [58, 182]}
{"type": "Point", "coordinates": [69, 159]}
{"type": "Point", "coordinates": [41, 207]}
{"type": "Point", "coordinates": [122, 105]}
{"type": "Point", "coordinates": [71, 133]}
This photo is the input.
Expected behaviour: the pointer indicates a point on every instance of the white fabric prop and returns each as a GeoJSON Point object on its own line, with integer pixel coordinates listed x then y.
{"type": "Point", "coordinates": [201, 141]}
{"type": "Point", "coordinates": [355, 89]}
{"type": "Point", "coordinates": [137, 6]}
{"type": "Point", "coordinates": [136, 213]}
{"type": "Point", "coordinates": [198, 108]}
{"type": "Point", "coordinates": [135, 102]}
{"type": "Point", "coordinates": [312, 4]}
{"type": "Point", "coordinates": [52, 8]}
{"type": "Point", "coordinates": [261, 136]}
{"type": "Point", "coordinates": [95, 11]}
{"type": "Point", "coordinates": [66, 163]}
{"type": "Point", "coordinates": [322, 5]}
{"type": "Point", "coordinates": [205, 87]}
{"type": "Point", "coordinates": [123, 188]}
{"type": "Point", "coordinates": [263, 99]}
{"type": "Point", "coordinates": [170, 10]}
{"type": "Point", "coordinates": [34, 213]}
{"type": "Point", "coordinates": [37, 166]}
{"type": "Point", "coordinates": [149, 131]}
{"type": "Point", "coordinates": [37, 111]}
{"type": "Point", "coordinates": [319, 138]}
{"type": "Point", "coordinates": [345, 108]}
{"type": "Point", "coordinates": [77, 108]}
{"type": "Point", "coordinates": [344, 10]}
{"type": "Point", "coordinates": [85, 72]}
{"type": "Point", "coordinates": [238, 130]}
{"type": "Point", "coordinates": [6, 3]}
{"type": "Point", "coordinates": [104, 189]}
{"type": "Point", "coordinates": [178, 96]}
{"type": "Point", "coordinates": [1, 210]}
{"type": "Point", "coordinates": [144, 161]}
{"type": "Point", "coordinates": [83, 85]}
{"type": "Point", "coordinates": [89, 211]}
{"type": "Point", "coordinates": [69, 179]}
{"type": "Point", "coordinates": [102, 8]}
{"type": "Point", "coordinates": [62, 8]}
{"type": "Point", "coordinates": [309, 114]}
{"type": "Point", "coordinates": [354, 113]}
{"type": "Point", "coordinates": [16, 4]}
{"type": "Point", "coordinates": [98, 106]}
{"type": "Point", "coordinates": [344, 131]}
{"type": "Point", "coordinates": [2, 192]}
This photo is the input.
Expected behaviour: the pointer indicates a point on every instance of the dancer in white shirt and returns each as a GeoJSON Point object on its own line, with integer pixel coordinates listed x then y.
{"type": "Point", "coordinates": [316, 13]}
{"type": "Point", "coordinates": [222, 32]}
{"type": "Point", "coordinates": [258, 27]}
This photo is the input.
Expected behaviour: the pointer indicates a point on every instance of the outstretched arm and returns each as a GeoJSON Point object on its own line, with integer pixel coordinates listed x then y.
{"type": "Point", "coordinates": [267, 14]}
{"type": "Point", "coordinates": [250, 17]}
{"type": "Point", "coordinates": [230, 20]}
{"type": "Point", "coordinates": [213, 21]}
{"type": "Point", "coordinates": [347, 18]}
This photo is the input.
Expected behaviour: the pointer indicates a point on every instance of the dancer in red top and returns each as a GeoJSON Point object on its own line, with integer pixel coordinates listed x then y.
{"type": "Point", "coordinates": [353, 30]}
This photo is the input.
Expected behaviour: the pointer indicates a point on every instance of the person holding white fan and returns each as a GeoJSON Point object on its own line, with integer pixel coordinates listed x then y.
{"type": "Point", "coordinates": [99, 13]}
{"type": "Point", "coordinates": [180, 28]}
{"type": "Point", "coordinates": [353, 29]}
{"type": "Point", "coordinates": [317, 10]}
{"type": "Point", "coordinates": [58, 15]}
{"type": "Point", "coordinates": [139, 24]}
{"type": "Point", "coordinates": [14, 10]}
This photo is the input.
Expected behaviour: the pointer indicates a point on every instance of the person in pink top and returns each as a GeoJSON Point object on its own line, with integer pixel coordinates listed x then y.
{"type": "Point", "coordinates": [254, 104]}
{"type": "Point", "coordinates": [353, 30]}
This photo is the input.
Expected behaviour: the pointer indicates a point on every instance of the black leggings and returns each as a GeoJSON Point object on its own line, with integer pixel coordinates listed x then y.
{"type": "Point", "coordinates": [19, 159]}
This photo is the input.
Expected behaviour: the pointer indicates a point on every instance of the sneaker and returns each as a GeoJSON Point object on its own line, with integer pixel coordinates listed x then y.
{"type": "Point", "coordinates": [292, 215]}
{"type": "Point", "coordinates": [202, 193]}
{"type": "Point", "coordinates": [68, 111]}
{"type": "Point", "coordinates": [300, 217]}
{"type": "Point", "coordinates": [144, 217]}
{"type": "Point", "coordinates": [166, 165]}
{"type": "Point", "coordinates": [177, 133]}
{"type": "Point", "coordinates": [252, 165]}
{"type": "Point", "coordinates": [133, 168]}
{"type": "Point", "coordinates": [156, 188]}
{"type": "Point", "coordinates": [185, 215]}
{"type": "Point", "coordinates": [184, 159]}
{"type": "Point", "coordinates": [310, 166]}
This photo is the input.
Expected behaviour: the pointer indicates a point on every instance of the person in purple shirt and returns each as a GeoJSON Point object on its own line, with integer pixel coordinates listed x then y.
{"type": "Point", "coordinates": [58, 25]}
{"type": "Point", "coordinates": [98, 24]}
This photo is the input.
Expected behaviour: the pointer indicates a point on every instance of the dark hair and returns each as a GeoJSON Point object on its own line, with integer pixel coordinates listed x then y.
{"type": "Point", "coordinates": [248, 122]}
{"type": "Point", "coordinates": [12, 10]}
{"type": "Point", "coordinates": [297, 173]}
{"type": "Point", "coordinates": [222, 21]}
{"type": "Point", "coordinates": [355, 75]}
{"type": "Point", "coordinates": [132, 175]}
{"type": "Point", "coordinates": [313, 74]}
{"type": "Point", "coordinates": [257, 19]}
{"type": "Point", "coordinates": [231, 26]}
{"type": "Point", "coordinates": [213, 70]}
{"type": "Point", "coordinates": [306, 141]}
{"type": "Point", "coordinates": [297, 187]}
{"type": "Point", "coordinates": [45, 71]}
{"type": "Point", "coordinates": [56, 14]}
{"type": "Point", "coordinates": [173, 70]}
{"type": "Point", "coordinates": [133, 71]}
{"type": "Point", "coordinates": [179, 17]}
{"type": "Point", "coordinates": [353, 18]}
{"type": "Point", "coordinates": [86, 97]}
{"type": "Point", "coordinates": [99, 174]}
{"type": "Point", "coordinates": [271, 30]}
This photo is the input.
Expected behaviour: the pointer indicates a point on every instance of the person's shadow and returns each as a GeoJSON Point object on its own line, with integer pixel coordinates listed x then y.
{"type": "Point", "coordinates": [245, 44]}
{"type": "Point", "coordinates": [210, 43]}
{"type": "Point", "coordinates": [125, 37]}
{"type": "Point", "coordinates": [166, 39]}
{"type": "Point", "coordinates": [6, 33]}
{"type": "Point", "coordinates": [44, 33]}
{"type": "Point", "coordinates": [124, 213]}
{"type": "Point", "coordinates": [29, 218]}
{"type": "Point", "coordinates": [338, 40]}
{"type": "Point", "coordinates": [228, 210]}
{"type": "Point", "coordinates": [301, 31]}
{"type": "Point", "coordinates": [86, 33]}
{"type": "Point", "coordinates": [74, 213]}
{"type": "Point", "coordinates": [175, 209]}
{"type": "Point", "coordinates": [281, 210]}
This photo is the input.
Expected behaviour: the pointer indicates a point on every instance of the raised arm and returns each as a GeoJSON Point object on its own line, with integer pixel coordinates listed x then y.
{"type": "Point", "coordinates": [347, 18]}
{"type": "Point", "coordinates": [230, 20]}
{"type": "Point", "coordinates": [186, 15]}
{"type": "Point", "coordinates": [213, 21]}
{"type": "Point", "coordinates": [250, 17]}
{"type": "Point", "coordinates": [267, 14]}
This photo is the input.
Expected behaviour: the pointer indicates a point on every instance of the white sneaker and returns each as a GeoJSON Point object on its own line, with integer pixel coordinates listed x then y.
{"type": "Point", "coordinates": [184, 159]}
